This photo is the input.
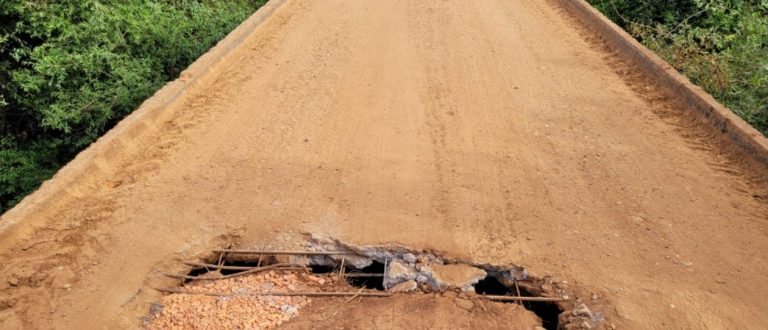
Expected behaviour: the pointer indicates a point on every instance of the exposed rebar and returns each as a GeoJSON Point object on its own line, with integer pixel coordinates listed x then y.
{"type": "Point", "coordinates": [519, 298]}
{"type": "Point", "coordinates": [249, 271]}
{"type": "Point", "coordinates": [278, 293]}
{"type": "Point", "coordinates": [327, 253]}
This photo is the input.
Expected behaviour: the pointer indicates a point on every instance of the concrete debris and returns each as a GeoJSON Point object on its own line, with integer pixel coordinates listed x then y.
{"type": "Point", "coordinates": [289, 310]}
{"type": "Point", "coordinates": [398, 272]}
{"type": "Point", "coordinates": [453, 276]}
{"type": "Point", "coordinates": [404, 271]}
{"type": "Point", "coordinates": [358, 262]}
{"type": "Point", "coordinates": [583, 311]}
{"type": "Point", "coordinates": [403, 265]}
{"type": "Point", "coordinates": [186, 311]}
{"type": "Point", "coordinates": [369, 253]}
{"type": "Point", "coordinates": [516, 273]}
{"type": "Point", "coordinates": [407, 286]}
{"type": "Point", "coordinates": [323, 243]}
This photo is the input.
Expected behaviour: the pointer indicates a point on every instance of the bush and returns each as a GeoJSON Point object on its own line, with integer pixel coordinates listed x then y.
{"type": "Point", "coordinates": [721, 45]}
{"type": "Point", "coordinates": [71, 69]}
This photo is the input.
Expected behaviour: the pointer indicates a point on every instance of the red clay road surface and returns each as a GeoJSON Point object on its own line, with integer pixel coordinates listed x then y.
{"type": "Point", "coordinates": [495, 130]}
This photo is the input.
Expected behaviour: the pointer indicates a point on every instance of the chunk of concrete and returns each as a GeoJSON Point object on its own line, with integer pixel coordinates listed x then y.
{"type": "Point", "coordinates": [453, 276]}
{"type": "Point", "coordinates": [407, 286]}
{"type": "Point", "coordinates": [398, 272]}
{"type": "Point", "coordinates": [582, 310]}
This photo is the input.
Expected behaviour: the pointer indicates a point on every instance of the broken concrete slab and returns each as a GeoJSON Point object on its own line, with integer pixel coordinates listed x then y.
{"type": "Point", "coordinates": [453, 276]}
{"type": "Point", "coordinates": [398, 272]}
{"type": "Point", "coordinates": [407, 286]}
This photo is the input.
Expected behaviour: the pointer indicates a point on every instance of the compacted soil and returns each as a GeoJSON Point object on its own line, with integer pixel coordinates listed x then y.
{"type": "Point", "coordinates": [496, 131]}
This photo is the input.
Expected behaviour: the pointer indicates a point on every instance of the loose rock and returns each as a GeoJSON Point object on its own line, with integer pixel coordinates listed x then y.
{"type": "Point", "coordinates": [290, 310]}
{"type": "Point", "coordinates": [398, 272]}
{"type": "Point", "coordinates": [458, 276]}
{"type": "Point", "coordinates": [183, 311]}
{"type": "Point", "coordinates": [583, 311]}
{"type": "Point", "coordinates": [407, 286]}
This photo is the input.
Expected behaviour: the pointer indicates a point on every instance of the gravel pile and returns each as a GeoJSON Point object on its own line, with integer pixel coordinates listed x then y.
{"type": "Point", "coordinates": [192, 311]}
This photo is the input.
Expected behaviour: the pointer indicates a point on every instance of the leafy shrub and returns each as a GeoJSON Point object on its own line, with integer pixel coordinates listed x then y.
{"type": "Point", "coordinates": [71, 69]}
{"type": "Point", "coordinates": [721, 45]}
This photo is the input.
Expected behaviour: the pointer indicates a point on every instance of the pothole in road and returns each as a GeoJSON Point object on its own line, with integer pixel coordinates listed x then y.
{"type": "Point", "coordinates": [548, 312]}
{"type": "Point", "coordinates": [279, 283]}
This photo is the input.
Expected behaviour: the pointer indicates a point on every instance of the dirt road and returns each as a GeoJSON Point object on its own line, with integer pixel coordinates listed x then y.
{"type": "Point", "coordinates": [492, 130]}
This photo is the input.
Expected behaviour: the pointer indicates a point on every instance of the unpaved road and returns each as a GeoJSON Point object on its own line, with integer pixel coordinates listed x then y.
{"type": "Point", "coordinates": [494, 130]}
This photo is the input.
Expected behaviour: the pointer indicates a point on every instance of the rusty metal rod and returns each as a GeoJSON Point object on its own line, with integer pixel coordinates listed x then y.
{"type": "Point", "coordinates": [517, 288]}
{"type": "Point", "coordinates": [318, 253]}
{"type": "Point", "coordinates": [278, 293]}
{"type": "Point", "coordinates": [357, 294]}
{"type": "Point", "coordinates": [249, 271]}
{"type": "Point", "coordinates": [519, 298]}
{"type": "Point", "coordinates": [225, 267]}
{"type": "Point", "coordinates": [212, 266]}
{"type": "Point", "coordinates": [341, 269]}
{"type": "Point", "coordinates": [363, 275]}
{"type": "Point", "coordinates": [209, 278]}
{"type": "Point", "coordinates": [186, 277]}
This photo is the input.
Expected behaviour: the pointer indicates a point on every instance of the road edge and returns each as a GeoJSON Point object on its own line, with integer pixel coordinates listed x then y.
{"type": "Point", "coordinates": [719, 116]}
{"type": "Point", "coordinates": [72, 179]}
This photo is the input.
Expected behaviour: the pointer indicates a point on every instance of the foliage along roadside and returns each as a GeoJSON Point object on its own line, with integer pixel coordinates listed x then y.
{"type": "Point", "coordinates": [720, 45]}
{"type": "Point", "coordinates": [71, 69]}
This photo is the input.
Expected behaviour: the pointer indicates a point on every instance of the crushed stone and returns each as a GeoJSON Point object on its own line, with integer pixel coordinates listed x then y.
{"type": "Point", "coordinates": [195, 311]}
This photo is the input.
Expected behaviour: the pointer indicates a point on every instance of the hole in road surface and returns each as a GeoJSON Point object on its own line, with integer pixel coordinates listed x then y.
{"type": "Point", "coordinates": [547, 311]}
{"type": "Point", "coordinates": [369, 277]}
{"type": "Point", "coordinates": [366, 270]}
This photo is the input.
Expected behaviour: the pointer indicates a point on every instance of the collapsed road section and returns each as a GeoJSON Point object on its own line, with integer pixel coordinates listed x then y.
{"type": "Point", "coordinates": [267, 288]}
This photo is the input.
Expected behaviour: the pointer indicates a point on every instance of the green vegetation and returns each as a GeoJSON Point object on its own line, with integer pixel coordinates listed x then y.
{"type": "Point", "coordinates": [71, 69]}
{"type": "Point", "coordinates": [721, 45]}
